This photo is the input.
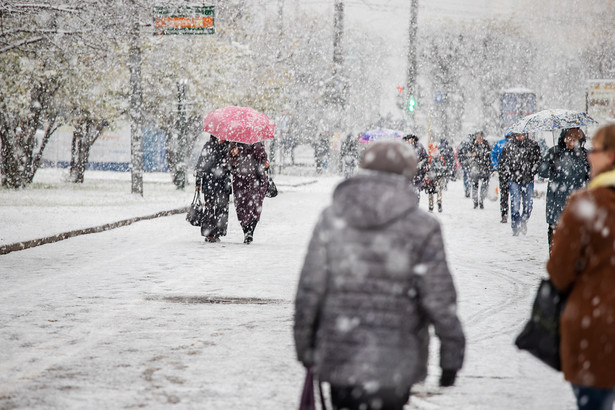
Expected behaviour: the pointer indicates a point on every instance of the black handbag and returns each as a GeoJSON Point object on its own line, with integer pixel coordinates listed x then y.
{"type": "Point", "coordinates": [272, 190]}
{"type": "Point", "coordinates": [195, 212]}
{"type": "Point", "coordinates": [541, 336]}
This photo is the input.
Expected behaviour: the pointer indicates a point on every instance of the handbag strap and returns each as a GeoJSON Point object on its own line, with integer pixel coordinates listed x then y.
{"type": "Point", "coordinates": [322, 396]}
{"type": "Point", "coordinates": [196, 199]}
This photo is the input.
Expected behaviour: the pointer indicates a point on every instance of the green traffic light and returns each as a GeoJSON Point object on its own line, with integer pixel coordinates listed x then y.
{"type": "Point", "coordinates": [411, 104]}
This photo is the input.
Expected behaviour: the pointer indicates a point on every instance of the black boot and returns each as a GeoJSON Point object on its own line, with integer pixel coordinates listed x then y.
{"type": "Point", "coordinates": [248, 232]}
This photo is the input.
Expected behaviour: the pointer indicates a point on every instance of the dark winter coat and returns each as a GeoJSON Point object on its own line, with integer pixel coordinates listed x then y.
{"type": "Point", "coordinates": [478, 157]}
{"type": "Point", "coordinates": [462, 154]}
{"type": "Point", "coordinates": [520, 161]}
{"type": "Point", "coordinates": [567, 170]}
{"type": "Point", "coordinates": [374, 278]}
{"type": "Point", "coordinates": [213, 169]}
{"type": "Point", "coordinates": [582, 263]}
{"type": "Point", "coordinates": [423, 161]}
{"type": "Point", "coordinates": [448, 154]}
{"type": "Point", "coordinates": [437, 169]}
{"type": "Point", "coordinates": [249, 180]}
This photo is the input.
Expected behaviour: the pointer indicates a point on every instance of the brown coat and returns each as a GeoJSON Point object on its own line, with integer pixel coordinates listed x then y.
{"type": "Point", "coordinates": [583, 262]}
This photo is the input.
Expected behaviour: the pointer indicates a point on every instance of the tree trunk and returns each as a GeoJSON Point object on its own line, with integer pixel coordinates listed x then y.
{"type": "Point", "coordinates": [85, 135]}
{"type": "Point", "coordinates": [136, 105]}
{"type": "Point", "coordinates": [18, 161]}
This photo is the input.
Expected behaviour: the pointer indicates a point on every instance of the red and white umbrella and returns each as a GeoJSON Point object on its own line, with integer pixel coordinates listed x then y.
{"type": "Point", "coordinates": [239, 124]}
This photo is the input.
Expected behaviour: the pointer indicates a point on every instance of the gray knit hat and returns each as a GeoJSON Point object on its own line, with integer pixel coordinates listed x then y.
{"type": "Point", "coordinates": [390, 156]}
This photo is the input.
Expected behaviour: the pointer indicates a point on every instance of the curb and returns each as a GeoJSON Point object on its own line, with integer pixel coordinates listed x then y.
{"type": "Point", "coordinates": [19, 246]}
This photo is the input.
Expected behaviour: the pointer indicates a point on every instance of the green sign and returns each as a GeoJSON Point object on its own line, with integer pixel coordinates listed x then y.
{"type": "Point", "coordinates": [183, 20]}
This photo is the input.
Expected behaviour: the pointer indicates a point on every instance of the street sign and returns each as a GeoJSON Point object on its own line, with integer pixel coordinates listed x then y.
{"type": "Point", "coordinates": [189, 20]}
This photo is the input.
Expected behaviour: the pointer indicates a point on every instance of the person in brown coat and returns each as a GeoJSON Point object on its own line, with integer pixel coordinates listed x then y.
{"type": "Point", "coordinates": [582, 264]}
{"type": "Point", "coordinates": [249, 170]}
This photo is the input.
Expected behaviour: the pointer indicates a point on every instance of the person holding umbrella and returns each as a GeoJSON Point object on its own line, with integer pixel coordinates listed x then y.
{"type": "Point", "coordinates": [249, 169]}
{"type": "Point", "coordinates": [246, 128]}
{"type": "Point", "coordinates": [213, 179]}
{"type": "Point", "coordinates": [581, 266]}
{"type": "Point", "coordinates": [567, 169]}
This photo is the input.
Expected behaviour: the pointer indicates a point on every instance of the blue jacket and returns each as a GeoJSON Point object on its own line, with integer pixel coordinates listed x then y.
{"type": "Point", "coordinates": [496, 152]}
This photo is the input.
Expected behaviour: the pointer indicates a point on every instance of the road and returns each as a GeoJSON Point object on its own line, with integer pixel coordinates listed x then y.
{"type": "Point", "coordinates": [149, 316]}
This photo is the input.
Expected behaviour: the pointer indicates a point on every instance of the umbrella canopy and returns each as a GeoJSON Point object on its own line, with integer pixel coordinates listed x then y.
{"type": "Point", "coordinates": [379, 134]}
{"type": "Point", "coordinates": [239, 124]}
{"type": "Point", "coordinates": [549, 120]}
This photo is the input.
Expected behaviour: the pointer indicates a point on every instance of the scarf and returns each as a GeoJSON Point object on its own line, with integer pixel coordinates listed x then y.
{"type": "Point", "coordinates": [605, 179]}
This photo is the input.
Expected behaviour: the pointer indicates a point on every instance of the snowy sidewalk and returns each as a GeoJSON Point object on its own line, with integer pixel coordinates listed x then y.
{"type": "Point", "coordinates": [126, 318]}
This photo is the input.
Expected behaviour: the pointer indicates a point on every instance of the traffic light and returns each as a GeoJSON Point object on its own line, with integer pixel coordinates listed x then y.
{"type": "Point", "coordinates": [411, 104]}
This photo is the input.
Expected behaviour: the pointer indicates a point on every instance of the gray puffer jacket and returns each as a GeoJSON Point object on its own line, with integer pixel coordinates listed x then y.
{"type": "Point", "coordinates": [374, 278]}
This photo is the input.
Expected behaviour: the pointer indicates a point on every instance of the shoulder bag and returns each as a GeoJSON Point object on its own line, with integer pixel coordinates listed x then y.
{"type": "Point", "coordinates": [541, 336]}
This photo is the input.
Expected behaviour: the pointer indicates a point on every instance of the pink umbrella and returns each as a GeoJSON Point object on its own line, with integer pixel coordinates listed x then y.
{"type": "Point", "coordinates": [239, 124]}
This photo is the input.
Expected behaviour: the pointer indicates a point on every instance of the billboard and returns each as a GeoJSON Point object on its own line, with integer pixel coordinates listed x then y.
{"type": "Point", "coordinates": [516, 103]}
{"type": "Point", "coordinates": [600, 100]}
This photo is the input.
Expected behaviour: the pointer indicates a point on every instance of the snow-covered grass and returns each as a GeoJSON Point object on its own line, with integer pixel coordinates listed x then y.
{"type": "Point", "coordinates": [120, 319]}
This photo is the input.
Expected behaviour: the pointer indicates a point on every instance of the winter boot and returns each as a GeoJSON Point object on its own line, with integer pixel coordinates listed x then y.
{"type": "Point", "coordinates": [504, 219]}
{"type": "Point", "coordinates": [439, 207]}
{"type": "Point", "coordinates": [248, 231]}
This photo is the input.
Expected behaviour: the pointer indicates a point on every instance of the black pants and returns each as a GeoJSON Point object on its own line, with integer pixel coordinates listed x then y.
{"type": "Point", "coordinates": [356, 398]}
{"type": "Point", "coordinates": [504, 191]}
{"type": "Point", "coordinates": [484, 182]}
{"type": "Point", "coordinates": [215, 218]}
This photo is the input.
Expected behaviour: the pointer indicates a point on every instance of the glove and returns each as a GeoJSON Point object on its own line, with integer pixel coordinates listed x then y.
{"type": "Point", "coordinates": [448, 377]}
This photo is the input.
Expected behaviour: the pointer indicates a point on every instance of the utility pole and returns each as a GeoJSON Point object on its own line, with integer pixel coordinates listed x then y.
{"type": "Point", "coordinates": [136, 116]}
{"type": "Point", "coordinates": [182, 138]}
{"type": "Point", "coordinates": [339, 82]}
{"type": "Point", "coordinates": [412, 72]}
{"type": "Point", "coordinates": [273, 147]}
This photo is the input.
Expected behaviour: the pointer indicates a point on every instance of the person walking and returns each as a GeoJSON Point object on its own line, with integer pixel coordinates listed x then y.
{"type": "Point", "coordinates": [519, 163]}
{"type": "Point", "coordinates": [349, 155]}
{"type": "Point", "coordinates": [435, 177]}
{"type": "Point", "coordinates": [362, 323]}
{"type": "Point", "coordinates": [479, 158]}
{"type": "Point", "coordinates": [213, 178]}
{"type": "Point", "coordinates": [448, 154]}
{"type": "Point", "coordinates": [496, 153]}
{"type": "Point", "coordinates": [567, 169]}
{"type": "Point", "coordinates": [423, 159]}
{"type": "Point", "coordinates": [581, 266]}
{"type": "Point", "coordinates": [462, 157]}
{"type": "Point", "coordinates": [249, 170]}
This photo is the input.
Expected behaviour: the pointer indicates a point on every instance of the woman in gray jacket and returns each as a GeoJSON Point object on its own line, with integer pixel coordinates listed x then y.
{"type": "Point", "coordinates": [374, 279]}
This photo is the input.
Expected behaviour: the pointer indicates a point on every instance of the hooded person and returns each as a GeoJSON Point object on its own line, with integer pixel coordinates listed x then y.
{"type": "Point", "coordinates": [567, 168]}
{"type": "Point", "coordinates": [374, 279]}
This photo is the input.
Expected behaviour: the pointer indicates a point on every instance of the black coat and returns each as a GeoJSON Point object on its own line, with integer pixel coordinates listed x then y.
{"type": "Point", "coordinates": [520, 161]}
{"type": "Point", "coordinates": [449, 156]}
{"type": "Point", "coordinates": [213, 168]}
{"type": "Point", "coordinates": [422, 164]}
{"type": "Point", "coordinates": [478, 158]}
{"type": "Point", "coordinates": [567, 170]}
{"type": "Point", "coordinates": [462, 154]}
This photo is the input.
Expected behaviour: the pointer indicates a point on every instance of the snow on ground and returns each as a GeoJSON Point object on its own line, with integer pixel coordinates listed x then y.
{"type": "Point", "coordinates": [124, 319]}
